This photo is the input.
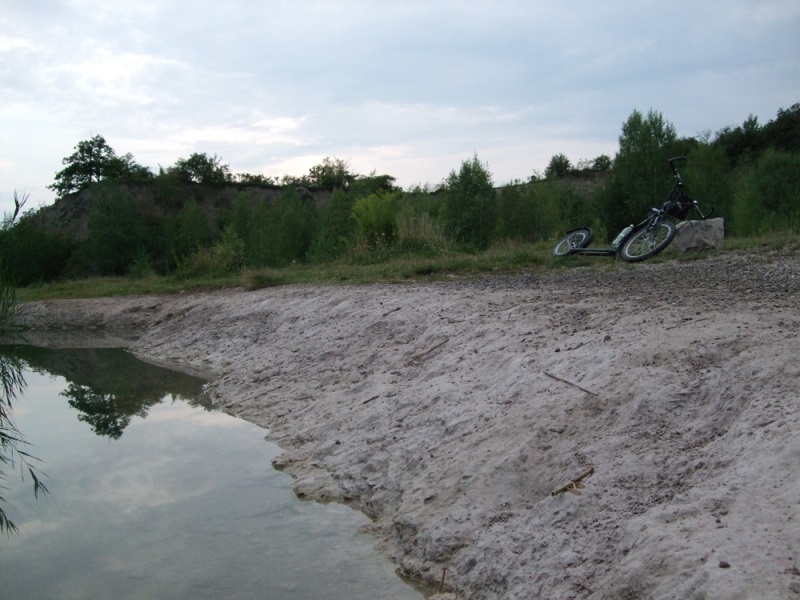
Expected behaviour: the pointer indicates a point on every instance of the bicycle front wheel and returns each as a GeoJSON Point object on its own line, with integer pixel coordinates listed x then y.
{"type": "Point", "coordinates": [580, 238]}
{"type": "Point", "coordinates": [648, 241]}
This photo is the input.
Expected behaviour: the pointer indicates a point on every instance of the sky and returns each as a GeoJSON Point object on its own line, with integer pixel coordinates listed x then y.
{"type": "Point", "coordinates": [409, 89]}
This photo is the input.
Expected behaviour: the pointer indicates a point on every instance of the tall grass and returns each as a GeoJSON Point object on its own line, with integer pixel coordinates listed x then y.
{"type": "Point", "coordinates": [435, 261]}
{"type": "Point", "coordinates": [11, 382]}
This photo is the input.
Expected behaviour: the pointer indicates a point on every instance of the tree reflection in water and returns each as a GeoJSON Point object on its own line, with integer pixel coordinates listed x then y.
{"type": "Point", "coordinates": [102, 412]}
{"type": "Point", "coordinates": [109, 386]}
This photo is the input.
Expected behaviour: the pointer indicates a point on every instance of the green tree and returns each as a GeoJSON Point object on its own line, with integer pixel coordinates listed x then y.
{"type": "Point", "coordinates": [742, 144]}
{"type": "Point", "coordinates": [202, 168]}
{"type": "Point", "coordinates": [602, 163]}
{"type": "Point", "coordinates": [470, 209]}
{"type": "Point", "coordinates": [372, 184]}
{"type": "Point", "coordinates": [767, 195]}
{"type": "Point", "coordinates": [193, 229]}
{"type": "Point", "coordinates": [118, 229]}
{"type": "Point", "coordinates": [292, 225]}
{"type": "Point", "coordinates": [559, 166]}
{"type": "Point", "coordinates": [336, 227]}
{"type": "Point", "coordinates": [31, 254]}
{"type": "Point", "coordinates": [783, 133]}
{"type": "Point", "coordinates": [709, 178]}
{"type": "Point", "coordinates": [256, 233]}
{"type": "Point", "coordinates": [537, 211]}
{"type": "Point", "coordinates": [642, 177]}
{"type": "Point", "coordinates": [94, 161]}
{"type": "Point", "coordinates": [330, 174]}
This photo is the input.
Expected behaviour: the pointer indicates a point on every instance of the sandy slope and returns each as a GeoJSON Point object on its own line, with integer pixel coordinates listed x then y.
{"type": "Point", "coordinates": [449, 411]}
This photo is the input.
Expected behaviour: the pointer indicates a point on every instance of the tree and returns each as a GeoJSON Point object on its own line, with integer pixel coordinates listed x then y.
{"type": "Point", "coordinates": [202, 168]}
{"type": "Point", "coordinates": [742, 144]}
{"type": "Point", "coordinates": [602, 163]}
{"type": "Point", "coordinates": [559, 167]}
{"type": "Point", "coordinates": [93, 161]}
{"type": "Point", "coordinates": [640, 170]}
{"type": "Point", "coordinates": [336, 227]}
{"type": "Point", "coordinates": [330, 174]}
{"type": "Point", "coordinates": [783, 133]}
{"type": "Point", "coordinates": [118, 229]}
{"type": "Point", "coordinates": [470, 209]}
{"type": "Point", "coordinates": [194, 230]}
{"type": "Point", "coordinates": [29, 254]}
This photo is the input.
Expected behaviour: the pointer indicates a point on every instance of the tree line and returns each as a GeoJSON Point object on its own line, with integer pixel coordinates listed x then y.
{"type": "Point", "coordinates": [749, 173]}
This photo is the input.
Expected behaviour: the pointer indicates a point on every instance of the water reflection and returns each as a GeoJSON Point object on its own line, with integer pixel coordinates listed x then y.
{"type": "Point", "coordinates": [108, 386]}
{"type": "Point", "coordinates": [183, 504]}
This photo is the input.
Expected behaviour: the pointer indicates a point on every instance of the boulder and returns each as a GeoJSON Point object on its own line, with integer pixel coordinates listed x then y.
{"type": "Point", "coordinates": [700, 235]}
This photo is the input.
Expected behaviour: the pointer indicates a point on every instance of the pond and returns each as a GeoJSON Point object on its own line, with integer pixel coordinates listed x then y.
{"type": "Point", "coordinates": [153, 494]}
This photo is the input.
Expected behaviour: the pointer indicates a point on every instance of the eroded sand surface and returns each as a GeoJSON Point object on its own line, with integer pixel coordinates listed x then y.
{"type": "Point", "coordinates": [448, 412]}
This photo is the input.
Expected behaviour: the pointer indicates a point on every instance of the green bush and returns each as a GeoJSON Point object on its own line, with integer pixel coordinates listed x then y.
{"type": "Point", "coordinates": [334, 235]}
{"type": "Point", "coordinates": [470, 208]}
{"type": "Point", "coordinates": [767, 196]}
{"type": "Point", "coordinates": [31, 255]}
{"type": "Point", "coordinates": [142, 265]}
{"type": "Point", "coordinates": [118, 229]}
{"type": "Point", "coordinates": [537, 211]}
{"type": "Point", "coordinates": [292, 226]}
{"type": "Point", "coordinates": [193, 229]}
{"type": "Point", "coordinates": [417, 230]}
{"type": "Point", "coordinates": [709, 179]}
{"type": "Point", "coordinates": [376, 218]}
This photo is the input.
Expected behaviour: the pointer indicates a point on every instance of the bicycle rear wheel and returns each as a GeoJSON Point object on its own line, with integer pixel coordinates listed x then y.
{"type": "Point", "coordinates": [648, 241]}
{"type": "Point", "coordinates": [579, 238]}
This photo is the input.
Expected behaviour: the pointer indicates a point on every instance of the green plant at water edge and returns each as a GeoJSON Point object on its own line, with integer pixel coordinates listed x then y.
{"type": "Point", "coordinates": [8, 302]}
{"type": "Point", "coordinates": [11, 382]}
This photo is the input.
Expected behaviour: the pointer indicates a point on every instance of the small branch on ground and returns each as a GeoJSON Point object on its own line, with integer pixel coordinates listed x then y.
{"type": "Point", "coordinates": [570, 383]}
{"type": "Point", "coordinates": [574, 486]}
{"type": "Point", "coordinates": [414, 359]}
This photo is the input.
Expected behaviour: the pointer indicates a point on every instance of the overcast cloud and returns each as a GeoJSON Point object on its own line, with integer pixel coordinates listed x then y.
{"type": "Point", "coordinates": [409, 88]}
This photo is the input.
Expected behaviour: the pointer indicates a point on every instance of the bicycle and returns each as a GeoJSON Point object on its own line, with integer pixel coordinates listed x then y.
{"type": "Point", "coordinates": [639, 242]}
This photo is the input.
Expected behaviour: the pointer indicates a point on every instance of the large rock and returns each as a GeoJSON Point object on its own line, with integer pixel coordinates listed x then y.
{"type": "Point", "coordinates": [700, 235]}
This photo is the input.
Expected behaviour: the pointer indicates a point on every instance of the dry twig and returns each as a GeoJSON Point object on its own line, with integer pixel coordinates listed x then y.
{"type": "Point", "coordinates": [414, 359]}
{"type": "Point", "coordinates": [570, 383]}
{"type": "Point", "coordinates": [573, 486]}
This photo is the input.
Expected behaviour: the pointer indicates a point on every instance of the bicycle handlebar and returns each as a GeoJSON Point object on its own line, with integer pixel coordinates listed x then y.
{"type": "Point", "coordinates": [672, 166]}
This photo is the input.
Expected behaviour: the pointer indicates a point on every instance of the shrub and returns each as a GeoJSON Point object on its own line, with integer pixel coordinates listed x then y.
{"type": "Point", "coordinates": [334, 234]}
{"type": "Point", "coordinates": [470, 209]}
{"type": "Point", "coordinates": [118, 229]}
{"type": "Point", "coordinates": [193, 229]}
{"type": "Point", "coordinates": [417, 230]}
{"type": "Point", "coordinates": [536, 211]}
{"type": "Point", "coordinates": [376, 218]}
{"type": "Point", "coordinates": [767, 196]}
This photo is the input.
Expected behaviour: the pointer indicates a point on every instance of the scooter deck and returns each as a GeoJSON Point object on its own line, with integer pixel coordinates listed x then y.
{"type": "Point", "coordinates": [594, 251]}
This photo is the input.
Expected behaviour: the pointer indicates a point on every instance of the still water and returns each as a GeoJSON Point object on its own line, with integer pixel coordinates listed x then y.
{"type": "Point", "coordinates": [153, 495]}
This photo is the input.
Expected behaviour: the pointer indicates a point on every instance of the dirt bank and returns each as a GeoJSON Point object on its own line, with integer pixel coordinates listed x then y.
{"type": "Point", "coordinates": [449, 412]}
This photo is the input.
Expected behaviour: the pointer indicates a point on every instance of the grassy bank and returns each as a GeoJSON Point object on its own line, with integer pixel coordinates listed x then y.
{"type": "Point", "coordinates": [507, 257]}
